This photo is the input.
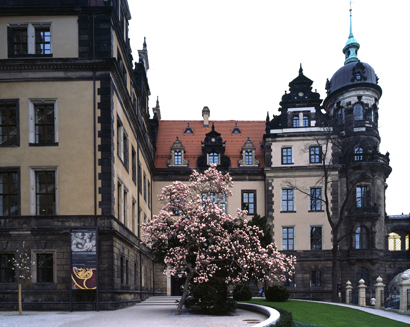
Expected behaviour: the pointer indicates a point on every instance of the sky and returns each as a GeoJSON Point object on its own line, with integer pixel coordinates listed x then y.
{"type": "Point", "coordinates": [237, 57]}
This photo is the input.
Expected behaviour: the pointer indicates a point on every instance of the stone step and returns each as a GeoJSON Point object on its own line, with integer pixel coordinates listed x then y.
{"type": "Point", "coordinates": [161, 300]}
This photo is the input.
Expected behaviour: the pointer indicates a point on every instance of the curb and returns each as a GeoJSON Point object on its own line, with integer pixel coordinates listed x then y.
{"type": "Point", "coordinates": [270, 312]}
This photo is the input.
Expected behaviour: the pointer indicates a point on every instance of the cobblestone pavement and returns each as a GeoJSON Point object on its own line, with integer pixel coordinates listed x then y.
{"type": "Point", "coordinates": [146, 316]}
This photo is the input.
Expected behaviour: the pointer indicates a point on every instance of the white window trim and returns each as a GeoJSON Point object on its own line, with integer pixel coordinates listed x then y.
{"type": "Point", "coordinates": [294, 200]}
{"type": "Point", "coordinates": [33, 171]}
{"type": "Point", "coordinates": [219, 158]}
{"type": "Point", "coordinates": [32, 118]}
{"type": "Point", "coordinates": [310, 239]}
{"type": "Point", "coordinates": [31, 34]}
{"type": "Point", "coordinates": [34, 253]}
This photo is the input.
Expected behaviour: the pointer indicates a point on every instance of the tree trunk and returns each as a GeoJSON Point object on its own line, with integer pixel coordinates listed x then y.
{"type": "Point", "coordinates": [335, 297]}
{"type": "Point", "coordinates": [20, 304]}
{"type": "Point", "coordinates": [184, 294]}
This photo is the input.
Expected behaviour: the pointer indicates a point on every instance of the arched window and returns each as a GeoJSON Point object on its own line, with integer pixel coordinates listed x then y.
{"type": "Point", "coordinates": [213, 158]}
{"type": "Point", "coordinates": [305, 121]}
{"type": "Point", "coordinates": [361, 238]}
{"type": "Point", "coordinates": [341, 116]}
{"type": "Point", "coordinates": [358, 112]}
{"type": "Point", "coordinates": [295, 121]}
{"type": "Point", "coordinates": [248, 158]}
{"type": "Point", "coordinates": [394, 242]}
{"type": "Point", "coordinates": [358, 154]}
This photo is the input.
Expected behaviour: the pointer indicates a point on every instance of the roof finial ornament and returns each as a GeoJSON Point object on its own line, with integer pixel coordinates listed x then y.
{"type": "Point", "coordinates": [300, 69]}
{"type": "Point", "coordinates": [352, 46]}
{"type": "Point", "coordinates": [157, 102]}
{"type": "Point", "coordinates": [144, 46]}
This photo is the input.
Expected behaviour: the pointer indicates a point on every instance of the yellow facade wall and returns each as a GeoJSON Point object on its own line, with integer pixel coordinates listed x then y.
{"type": "Point", "coordinates": [64, 44]}
{"type": "Point", "coordinates": [73, 156]}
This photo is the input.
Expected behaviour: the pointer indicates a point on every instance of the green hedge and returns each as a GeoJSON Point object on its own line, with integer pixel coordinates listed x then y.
{"type": "Point", "coordinates": [285, 320]}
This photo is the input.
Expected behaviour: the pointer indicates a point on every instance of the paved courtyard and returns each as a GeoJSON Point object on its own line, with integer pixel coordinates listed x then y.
{"type": "Point", "coordinates": [138, 315]}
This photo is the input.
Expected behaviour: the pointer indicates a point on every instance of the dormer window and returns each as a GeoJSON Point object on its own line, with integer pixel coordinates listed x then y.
{"type": "Point", "coordinates": [213, 158]}
{"type": "Point", "coordinates": [248, 158]}
{"type": "Point", "coordinates": [177, 158]}
{"type": "Point", "coordinates": [295, 121]}
{"type": "Point", "coordinates": [305, 121]}
{"type": "Point", "coordinates": [248, 155]}
{"type": "Point", "coordinates": [177, 155]}
{"type": "Point", "coordinates": [236, 130]}
{"type": "Point", "coordinates": [188, 130]}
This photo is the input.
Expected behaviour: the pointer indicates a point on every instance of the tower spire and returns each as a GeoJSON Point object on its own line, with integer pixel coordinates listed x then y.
{"type": "Point", "coordinates": [352, 46]}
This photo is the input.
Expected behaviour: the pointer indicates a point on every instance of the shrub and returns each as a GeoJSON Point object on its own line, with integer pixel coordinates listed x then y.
{"type": "Point", "coordinates": [285, 320]}
{"type": "Point", "coordinates": [242, 292]}
{"type": "Point", "coordinates": [277, 294]}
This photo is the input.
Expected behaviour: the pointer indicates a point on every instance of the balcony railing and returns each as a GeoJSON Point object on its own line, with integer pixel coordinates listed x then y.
{"type": "Point", "coordinates": [366, 158]}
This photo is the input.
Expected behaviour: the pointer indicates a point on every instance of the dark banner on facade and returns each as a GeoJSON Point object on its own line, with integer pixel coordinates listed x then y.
{"type": "Point", "coordinates": [84, 258]}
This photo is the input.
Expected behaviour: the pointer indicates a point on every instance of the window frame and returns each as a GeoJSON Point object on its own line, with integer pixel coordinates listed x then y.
{"type": "Point", "coordinates": [315, 154]}
{"type": "Point", "coordinates": [214, 157]}
{"type": "Point", "coordinates": [305, 121]}
{"type": "Point", "coordinates": [287, 207]}
{"type": "Point", "coordinates": [8, 103]}
{"type": "Point", "coordinates": [33, 188]}
{"type": "Point", "coordinates": [10, 170]}
{"type": "Point", "coordinates": [287, 155]}
{"type": "Point", "coordinates": [32, 103]}
{"type": "Point", "coordinates": [295, 121]}
{"type": "Point", "coordinates": [31, 45]}
{"type": "Point", "coordinates": [8, 269]}
{"type": "Point", "coordinates": [316, 241]}
{"type": "Point", "coordinates": [286, 238]}
{"type": "Point", "coordinates": [316, 278]}
{"type": "Point", "coordinates": [315, 199]}
{"type": "Point", "coordinates": [362, 197]}
{"type": "Point", "coordinates": [243, 203]}
{"type": "Point", "coordinates": [358, 112]}
{"type": "Point", "coordinates": [177, 157]}
{"type": "Point", "coordinates": [34, 265]}
{"type": "Point", "coordinates": [358, 154]}
{"type": "Point", "coordinates": [361, 238]}
{"type": "Point", "coordinates": [248, 157]}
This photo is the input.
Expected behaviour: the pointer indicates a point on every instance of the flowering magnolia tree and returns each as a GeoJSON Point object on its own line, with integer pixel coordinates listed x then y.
{"type": "Point", "coordinates": [193, 234]}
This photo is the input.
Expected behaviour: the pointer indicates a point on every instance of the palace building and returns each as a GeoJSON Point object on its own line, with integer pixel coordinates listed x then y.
{"type": "Point", "coordinates": [82, 162]}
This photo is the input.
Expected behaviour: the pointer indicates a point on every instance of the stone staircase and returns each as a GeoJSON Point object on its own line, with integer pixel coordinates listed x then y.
{"type": "Point", "coordinates": [161, 300]}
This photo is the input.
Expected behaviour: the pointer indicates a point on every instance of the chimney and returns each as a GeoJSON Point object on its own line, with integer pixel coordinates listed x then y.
{"type": "Point", "coordinates": [156, 110]}
{"type": "Point", "coordinates": [206, 113]}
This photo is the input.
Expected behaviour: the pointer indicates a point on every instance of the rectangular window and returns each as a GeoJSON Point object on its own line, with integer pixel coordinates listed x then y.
{"type": "Point", "coordinates": [134, 165]}
{"type": "Point", "coordinates": [119, 199]}
{"type": "Point", "coordinates": [287, 200]}
{"type": "Point", "coordinates": [248, 158]}
{"type": "Point", "coordinates": [177, 158]}
{"type": "Point", "coordinates": [316, 238]}
{"type": "Point", "coordinates": [134, 217]}
{"type": "Point", "coordinates": [7, 273]}
{"type": "Point", "coordinates": [139, 222]}
{"type": "Point", "coordinates": [315, 154]}
{"type": "Point", "coordinates": [249, 201]}
{"type": "Point", "coordinates": [362, 196]}
{"type": "Point", "coordinates": [140, 178]}
{"type": "Point", "coordinates": [43, 122]}
{"type": "Point", "coordinates": [9, 193]}
{"type": "Point", "coordinates": [135, 274]}
{"type": "Point", "coordinates": [28, 40]}
{"type": "Point", "coordinates": [219, 199]}
{"type": "Point", "coordinates": [122, 144]}
{"type": "Point", "coordinates": [125, 207]}
{"type": "Point", "coordinates": [45, 268]}
{"type": "Point", "coordinates": [122, 270]}
{"type": "Point", "coordinates": [287, 238]}
{"type": "Point", "coordinates": [286, 155]}
{"type": "Point", "coordinates": [149, 195]}
{"type": "Point", "coordinates": [127, 281]}
{"type": "Point", "coordinates": [145, 187]}
{"type": "Point", "coordinates": [9, 123]}
{"type": "Point", "coordinates": [316, 199]}
{"type": "Point", "coordinates": [316, 280]}
{"type": "Point", "coordinates": [45, 192]}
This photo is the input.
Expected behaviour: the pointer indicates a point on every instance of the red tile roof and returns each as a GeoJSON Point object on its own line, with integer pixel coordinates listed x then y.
{"type": "Point", "coordinates": [168, 131]}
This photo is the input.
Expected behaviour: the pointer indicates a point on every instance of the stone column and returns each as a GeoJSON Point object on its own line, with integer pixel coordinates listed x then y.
{"type": "Point", "coordinates": [348, 291]}
{"type": "Point", "coordinates": [362, 293]}
{"type": "Point", "coordinates": [404, 286]}
{"type": "Point", "coordinates": [379, 289]}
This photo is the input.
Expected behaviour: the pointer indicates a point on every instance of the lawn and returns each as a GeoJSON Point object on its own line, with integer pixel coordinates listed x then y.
{"type": "Point", "coordinates": [327, 315]}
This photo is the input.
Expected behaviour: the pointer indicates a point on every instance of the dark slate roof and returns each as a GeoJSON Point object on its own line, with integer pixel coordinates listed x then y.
{"type": "Point", "coordinates": [345, 76]}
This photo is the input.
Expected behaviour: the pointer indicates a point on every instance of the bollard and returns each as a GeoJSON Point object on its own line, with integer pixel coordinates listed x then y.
{"type": "Point", "coordinates": [379, 289]}
{"type": "Point", "coordinates": [404, 286]}
{"type": "Point", "coordinates": [348, 291]}
{"type": "Point", "coordinates": [362, 293]}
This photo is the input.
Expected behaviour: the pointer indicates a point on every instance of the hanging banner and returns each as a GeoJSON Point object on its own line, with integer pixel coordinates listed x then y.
{"type": "Point", "coordinates": [84, 258]}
